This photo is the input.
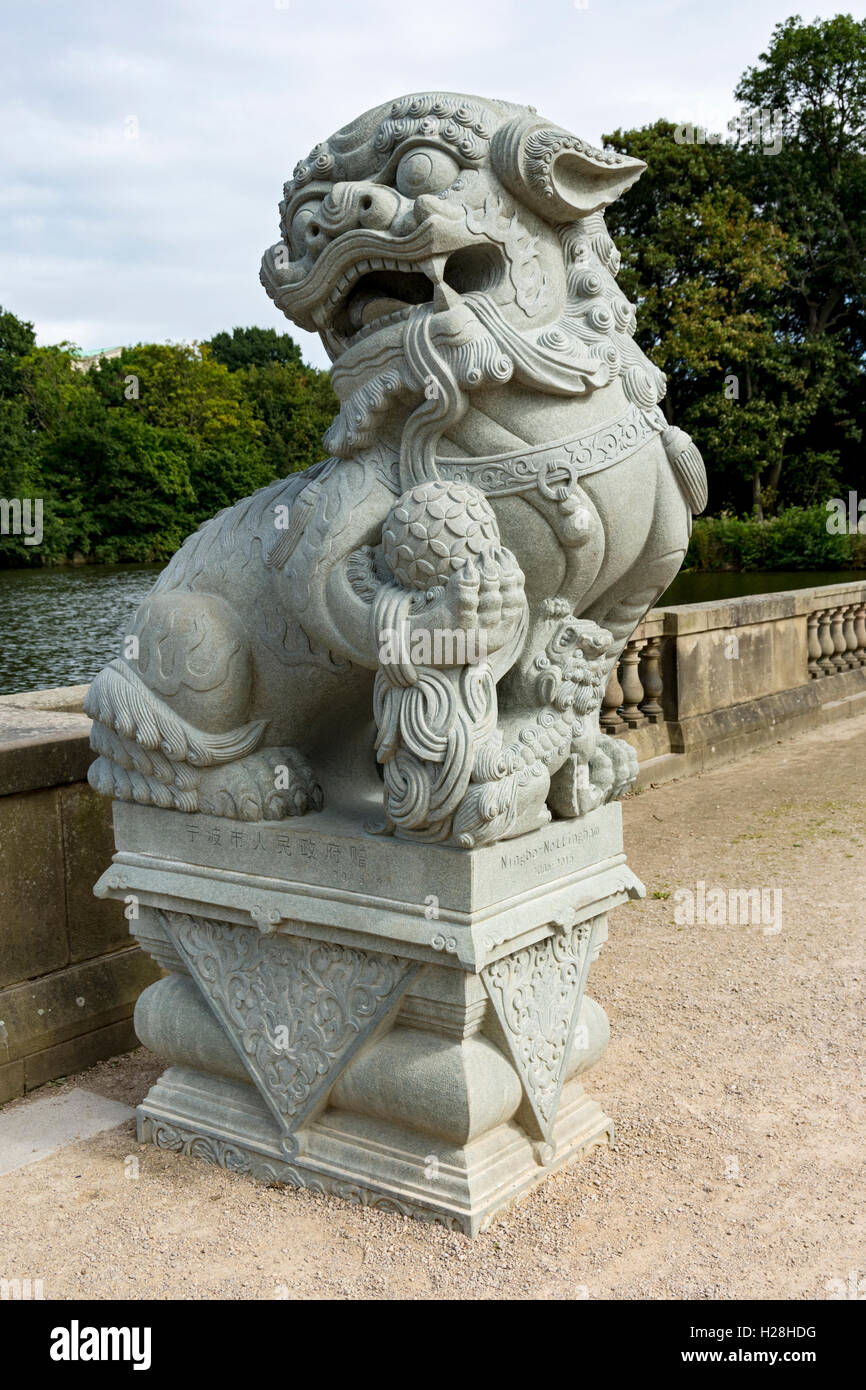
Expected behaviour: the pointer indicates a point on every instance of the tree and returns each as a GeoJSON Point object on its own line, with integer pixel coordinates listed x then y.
{"type": "Point", "coordinates": [647, 223]}
{"type": "Point", "coordinates": [178, 386]}
{"type": "Point", "coordinates": [16, 340]}
{"type": "Point", "coordinates": [130, 456]}
{"type": "Point", "coordinates": [706, 272]}
{"type": "Point", "coordinates": [752, 264]}
{"type": "Point", "coordinates": [125, 486]}
{"type": "Point", "coordinates": [814, 77]}
{"type": "Point", "coordinates": [182, 390]}
{"type": "Point", "coordinates": [19, 472]}
{"type": "Point", "coordinates": [253, 347]}
{"type": "Point", "coordinates": [295, 407]}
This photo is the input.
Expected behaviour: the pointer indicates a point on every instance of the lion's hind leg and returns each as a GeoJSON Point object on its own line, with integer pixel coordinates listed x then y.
{"type": "Point", "coordinates": [170, 722]}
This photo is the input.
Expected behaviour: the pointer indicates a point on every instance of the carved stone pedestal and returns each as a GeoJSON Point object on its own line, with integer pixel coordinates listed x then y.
{"type": "Point", "coordinates": [401, 1024]}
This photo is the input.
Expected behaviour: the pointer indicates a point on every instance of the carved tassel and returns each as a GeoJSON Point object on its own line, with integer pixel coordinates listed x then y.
{"type": "Point", "coordinates": [685, 459]}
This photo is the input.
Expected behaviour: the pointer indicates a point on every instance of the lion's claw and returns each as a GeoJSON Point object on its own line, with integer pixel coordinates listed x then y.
{"type": "Point", "coordinates": [271, 784]}
{"type": "Point", "coordinates": [613, 767]}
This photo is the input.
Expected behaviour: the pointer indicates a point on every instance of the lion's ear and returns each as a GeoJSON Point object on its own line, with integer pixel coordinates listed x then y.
{"type": "Point", "coordinates": [559, 176]}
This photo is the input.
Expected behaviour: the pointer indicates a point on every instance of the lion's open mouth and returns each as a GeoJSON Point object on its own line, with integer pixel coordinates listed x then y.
{"type": "Point", "coordinates": [379, 291]}
{"type": "Point", "coordinates": [382, 293]}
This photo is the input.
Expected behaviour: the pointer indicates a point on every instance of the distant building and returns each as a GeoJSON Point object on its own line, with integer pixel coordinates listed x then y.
{"type": "Point", "coordinates": [83, 361]}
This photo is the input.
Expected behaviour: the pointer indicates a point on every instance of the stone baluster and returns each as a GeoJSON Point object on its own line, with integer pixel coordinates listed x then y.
{"type": "Point", "coordinates": [850, 638]}
{"type": "Point", "coordinates": [651, 680]}
{"type": "Point", "coordinates": [860, 632]}
{"type": "Point", "coordinates": [813, 645]}
{"type": "Point", "coordinates": [632, 689]}
{"type": "Point", "coordinates": [840, 646]}
{"type": "Point", "coordinates": [609, 718]}
{"type": "Point", "coordinates": [825, 638]}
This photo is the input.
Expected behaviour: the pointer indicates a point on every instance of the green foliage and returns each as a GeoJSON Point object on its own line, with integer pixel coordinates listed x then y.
{"type": "Point", "coordinates": [294, 409]}
{"type": "Point", "coordinates": [253, 347]}
{"type": "Point", "coordinates": [16, 340]}
{"type": "Point", "coordinates": [796, 539]}
{"type": "Point", "coordinates": [131, 456]}
{"type": "Point", "coordinates": [18, 473]}
{"type": "Point", "coordinates": [749, 270]}
{"type": "Point", "coordinates": [815, 76]}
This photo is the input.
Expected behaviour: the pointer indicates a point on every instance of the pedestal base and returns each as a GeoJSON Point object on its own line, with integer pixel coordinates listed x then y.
{"type": "Point", "coordinates": [409, 1036]}
{"type": "Point", "coordinates": [370, 1163]}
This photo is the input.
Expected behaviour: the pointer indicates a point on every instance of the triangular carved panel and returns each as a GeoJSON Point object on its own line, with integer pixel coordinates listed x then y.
{"type": "Point", "coordinates": [537, 994]}
{"type": "Point", "coordinates": [296, 1010]}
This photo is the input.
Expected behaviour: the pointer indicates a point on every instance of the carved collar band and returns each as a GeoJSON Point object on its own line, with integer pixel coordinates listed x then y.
{"type": "Point", "coordinates": [552, 468]}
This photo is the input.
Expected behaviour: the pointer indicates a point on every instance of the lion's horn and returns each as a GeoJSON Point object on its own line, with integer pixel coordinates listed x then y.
{"type": "Point", "coordinates": [559, 176]}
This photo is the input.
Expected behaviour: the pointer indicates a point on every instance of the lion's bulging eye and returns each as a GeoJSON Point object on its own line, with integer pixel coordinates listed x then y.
{"type": "Point", "coordinates": [425, 171]}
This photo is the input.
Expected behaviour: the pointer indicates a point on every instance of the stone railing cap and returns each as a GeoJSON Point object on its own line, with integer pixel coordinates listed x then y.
{"type": "Point", "coordinates": [69, 698]}
{"type": "Point", "coordinates": [756, 608]}
{"type": "Point", "coordinates": [41, 748]}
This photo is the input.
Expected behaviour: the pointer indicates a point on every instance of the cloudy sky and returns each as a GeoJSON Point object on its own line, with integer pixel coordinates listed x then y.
{"type": "Point", "coordinates": [143, 146]}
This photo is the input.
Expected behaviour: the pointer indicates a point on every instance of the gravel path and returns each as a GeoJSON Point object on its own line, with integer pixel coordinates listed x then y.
{"type": "Point", "coordinates": [735, 1075]}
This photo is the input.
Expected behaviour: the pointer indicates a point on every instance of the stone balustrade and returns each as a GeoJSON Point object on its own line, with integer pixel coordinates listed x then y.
{"type": "Point", "coordinates": [836, 638]}
{"type": "Point", "coordinates": [633, 698]}
{"type": "Point", "coordinates": [699, 683]}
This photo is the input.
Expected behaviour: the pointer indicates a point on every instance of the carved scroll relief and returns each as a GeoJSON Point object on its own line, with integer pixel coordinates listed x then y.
{"type": "Point", "coordinates": [537, 994]}
{"type": "Point", "coordinates": [296, 1010]}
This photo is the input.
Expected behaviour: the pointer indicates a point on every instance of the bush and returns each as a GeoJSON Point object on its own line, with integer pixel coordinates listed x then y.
{"type": "Point", "coordinates": [796, 539]}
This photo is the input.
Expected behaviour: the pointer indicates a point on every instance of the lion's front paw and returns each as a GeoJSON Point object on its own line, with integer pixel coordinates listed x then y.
{"type": "Point", "coordinates": [270, 784]}
{"type": "Point", "coordinates": [613, 767]}
{"type": "Point", "coordinates": [572, 792]}
{"type": "Point", "coordinates": [486, 599]}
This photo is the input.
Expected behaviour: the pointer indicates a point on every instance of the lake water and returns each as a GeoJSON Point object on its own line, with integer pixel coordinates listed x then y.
{"type": "Point", "coordinates": [60, 626]}
{"type": "Point", "coordinates": [717, 584]}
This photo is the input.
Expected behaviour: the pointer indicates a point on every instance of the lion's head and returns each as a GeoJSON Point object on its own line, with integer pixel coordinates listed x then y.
{"type": "Point", "coordinates": [440, 243]}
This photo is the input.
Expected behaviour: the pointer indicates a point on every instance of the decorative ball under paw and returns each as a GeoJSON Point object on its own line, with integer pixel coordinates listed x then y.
{"type": "Point", "coordinates": [433, 529]}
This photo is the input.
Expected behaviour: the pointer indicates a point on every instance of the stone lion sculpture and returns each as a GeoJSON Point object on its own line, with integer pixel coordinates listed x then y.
{"type": "Point", "coordinates": [499, 469]}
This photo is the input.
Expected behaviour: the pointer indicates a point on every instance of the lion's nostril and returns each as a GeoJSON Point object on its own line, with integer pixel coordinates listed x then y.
{"type": "Point", "coordinates": [366, 203]}
{"type": "Point", "coordinates": [314, 229]}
